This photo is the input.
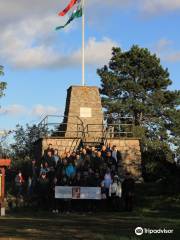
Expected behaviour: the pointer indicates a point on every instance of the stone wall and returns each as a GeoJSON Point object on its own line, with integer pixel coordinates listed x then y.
{"type": "Point", "coordinates": [129, 148]}
{"type": "Point", "coordinates": [131, 155]}
{"type": "Point", "coordinates": [62, 144]}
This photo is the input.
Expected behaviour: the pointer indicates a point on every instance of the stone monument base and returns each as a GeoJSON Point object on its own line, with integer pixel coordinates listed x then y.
{"type": "Point", "coordinates": [83, 124]}
{"type": "Point", "coordinates": [129, 148]}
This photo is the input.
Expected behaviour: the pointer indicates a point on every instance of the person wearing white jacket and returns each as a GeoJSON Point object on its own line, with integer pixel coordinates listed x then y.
{"type": "Point", "coordinates": [115, 193]}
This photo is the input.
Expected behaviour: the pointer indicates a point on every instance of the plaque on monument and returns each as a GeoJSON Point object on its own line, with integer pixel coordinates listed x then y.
{"type": "Point", "coordinates": [85, 112]}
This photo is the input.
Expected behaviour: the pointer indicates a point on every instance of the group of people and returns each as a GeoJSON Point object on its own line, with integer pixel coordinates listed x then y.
{"type": "Point", "coordinates": [87, 167]}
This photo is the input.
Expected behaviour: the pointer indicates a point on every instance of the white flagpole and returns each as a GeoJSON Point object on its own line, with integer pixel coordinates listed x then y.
{"type": "Point", "coordinates": [83, 44]}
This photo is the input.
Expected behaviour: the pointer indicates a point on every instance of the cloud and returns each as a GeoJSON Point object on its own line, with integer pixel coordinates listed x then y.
{"type": "Point", "coordinates": [162, 45]}
{"type": "Point", "coordinates": [39, 110]}
{"type": "Point", "coordinates": [16, 9]}
{"type": "Point", "coordinates": [172, 57]}
{"type": "Point", "coordinates": [28, 45]}
{"type": "Point", "coordinates": [13, 110]}
{"type": "Point", "coordinates": [28, 40]}
{"type": "Point", "coordinates": [154, 7]}
{"type": "Point", "coordinates": [96, 53]}
{"type": "Point", "coordinates": [165, 49]}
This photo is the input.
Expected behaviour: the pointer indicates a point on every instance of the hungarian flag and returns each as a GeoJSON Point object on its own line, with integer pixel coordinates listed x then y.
{"type": "Point", "coordinates": [77, 13]}
{"type": "Point", "coordinates": [69, 6]}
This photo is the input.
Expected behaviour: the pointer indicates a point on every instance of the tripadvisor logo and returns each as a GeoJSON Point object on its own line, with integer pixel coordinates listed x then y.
{"type": "Point", "coordinates": [139, 231]}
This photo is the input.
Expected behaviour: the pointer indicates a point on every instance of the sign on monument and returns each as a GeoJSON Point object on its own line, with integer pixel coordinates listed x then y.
{"type": "Point", "coordinates": [85, 112]}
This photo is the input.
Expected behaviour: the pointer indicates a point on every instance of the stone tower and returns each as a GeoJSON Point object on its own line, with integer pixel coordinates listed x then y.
{"type": "Point", "coordinates": [83, 107]}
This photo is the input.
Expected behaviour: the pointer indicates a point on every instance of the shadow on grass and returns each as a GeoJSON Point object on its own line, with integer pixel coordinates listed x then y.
{"type": "Point", "coordinates": [100, 226]}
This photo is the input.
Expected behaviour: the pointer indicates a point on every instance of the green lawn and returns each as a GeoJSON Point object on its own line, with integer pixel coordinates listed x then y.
{"type": "Point", "coordinates": [100, 226]}
{"type": "Point", "coordinates": [152, 210]}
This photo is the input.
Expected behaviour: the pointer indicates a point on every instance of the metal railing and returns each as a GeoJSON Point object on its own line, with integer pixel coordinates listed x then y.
{"type": "Point", "coordinates": [109, 130]}
{"type": "Point", "coordinates": [74, 128]}
{"type": "Point", "coordinates": [57, 126]}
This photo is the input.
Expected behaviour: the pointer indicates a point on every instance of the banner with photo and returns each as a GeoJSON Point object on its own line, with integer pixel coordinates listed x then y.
{"type": "Point", "coordinates": [63, 192]}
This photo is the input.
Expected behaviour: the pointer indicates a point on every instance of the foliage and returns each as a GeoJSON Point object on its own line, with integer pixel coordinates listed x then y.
{"type": "Point", "coordinates": [2, 84]}
{"type": "Point", "coordinates": [135, 83]}
{"type": "Point", "coordinates": [156, 164]}
{"type": "Point", "coordinates": [2, 88]}
{"type": "Point", "coordinates": [23, 146]}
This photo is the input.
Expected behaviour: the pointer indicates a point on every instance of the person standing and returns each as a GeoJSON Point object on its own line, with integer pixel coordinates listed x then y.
{"type": "Point", "coordinates": [49, 148]}
{"type": "Point", "coordinates": [103, 151]}
{"type": "Point", "coordinates": [43, 190]}
{"type": "Point", "coordinates": [116, 155]}
{"type": "Point", "coordinates": [106, 183]}
{"type": "Point", "coordinates": [19, 183]}
{"type": "Point", "coordinates": [97, 162]}
{"type": "Point", "coordinates": [56, 157]}
{"type": "Point", "coordinates": [128, 187]}
{"type": "Point", "coordinates": [34, 176]}
{"type": "Point", "coordinates": [110, 160]}
{"type": "Point", "coordinates": [115, 192]}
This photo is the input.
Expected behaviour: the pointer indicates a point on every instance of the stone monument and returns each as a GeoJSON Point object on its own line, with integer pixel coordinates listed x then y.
{"type": "Point", "coordinates": [83, 124]}
{"type": "Point", "coordinates": [83, 108]}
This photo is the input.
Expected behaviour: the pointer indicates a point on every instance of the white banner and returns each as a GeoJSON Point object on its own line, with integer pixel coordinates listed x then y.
{"type": "Point", "coordinates": [64, 192]}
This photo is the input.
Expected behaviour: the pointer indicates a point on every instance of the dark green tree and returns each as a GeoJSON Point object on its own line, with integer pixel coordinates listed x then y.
{"type": "Point", "coordinates": [2, 88]}
{"type": "Point", "coordinates": [24, 140]}
{"type": "Point", "coordinates": [135, 83]}
{"type": "Point", "coordinates": [2, 84]}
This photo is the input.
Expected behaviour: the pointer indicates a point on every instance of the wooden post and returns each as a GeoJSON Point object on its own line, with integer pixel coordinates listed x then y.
{"type": "Point", "coordinates": [3, 163]}
{"type": "Point", "coordinates": [2, 169]}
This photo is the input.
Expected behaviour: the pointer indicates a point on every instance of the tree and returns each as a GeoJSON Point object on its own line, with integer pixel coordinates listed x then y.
{"type": "Point", "coordinates": [23, 146]}
{"type": "Point", "coordinates": [135, 83]}
{"type": "Point", "coordinates": [2, 88]}
{"type": "Point", "coordinates": [1, 70]}
{"type": "Point", "coordinates": [2, 84]}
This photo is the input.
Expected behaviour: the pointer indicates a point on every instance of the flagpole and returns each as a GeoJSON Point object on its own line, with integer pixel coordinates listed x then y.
{"type": "Point", "coordinates": [83, 45]}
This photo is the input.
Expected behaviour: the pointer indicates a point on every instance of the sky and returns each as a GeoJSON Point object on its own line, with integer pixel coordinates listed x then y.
{"type": "Point", "coordinates": [41, 63]}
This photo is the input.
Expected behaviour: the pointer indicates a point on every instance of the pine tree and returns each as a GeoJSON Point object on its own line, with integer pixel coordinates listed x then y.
{"type": "Point", "coordinates": [135, 83]}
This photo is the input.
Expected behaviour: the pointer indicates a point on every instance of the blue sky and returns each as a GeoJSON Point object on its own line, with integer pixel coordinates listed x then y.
{"type": "Point", "coordinates": [40, 64]}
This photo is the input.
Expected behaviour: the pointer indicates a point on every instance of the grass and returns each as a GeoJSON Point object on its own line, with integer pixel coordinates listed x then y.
{"type": "Point", "coordinates": [100, 226]}
{"type": "Point", "coordinates": [152, 211]}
